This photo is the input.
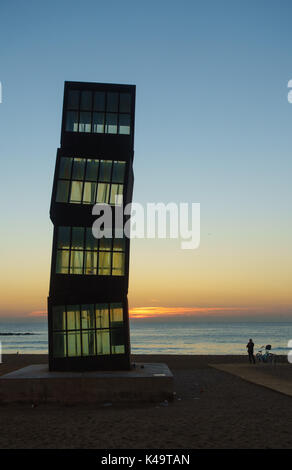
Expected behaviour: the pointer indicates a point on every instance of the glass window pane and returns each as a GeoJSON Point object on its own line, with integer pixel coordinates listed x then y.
{"type": "Point", "coordinates": [99, 101]}
{"type": "Point", "coordinates": [116, 194]}
{"type": "Point", "coordinates": [118, 341]}
{"type": "Point", "coordinates": [91, 241]}
{"type": "Point", "coordinates": [74, 343]}
{"type": "Point", "coordinates": [102, 316]}
{"type": "Point", "coordinates": [59, 345]}
{"type": "Point", "coordinates": [76, 262]}
{"type": "Point", "coordinates": [62, 191]}
{"type": "Point", "coordinates": [85, 122]}
{"type": "Point", "coordinates": [112, 102]}
{"type": "Point", "coordinates": [77, 238]}
{"type": "Point", "coordinates": [119, 244]}
{"type": "Point", "coordinates": [118, 264]}
{"type": "Point", "coordinates": [76, 192]}
{"type": "Point", "coordinates": [86, 100]}
{"type": "Point", "coordinates": [59, 317]}
{"type": "Point", "coordinates": [89, 193]}
{"type": "Point", "coordinates": [64, 237]}
{"type": "Point", "coordinates": [104, 263]}
{"type": "Point", "coordinates": [65, 168]}
{"type": "Point", "coordinates": [125, 103]}
{"type": "Point", "coordinates": [111, 124]}
{"type": "Point", "coordinates": [118, 172]}
{"type": "Point", "coordinates": [72, 121]}
{"type": "Point", "coordinates": [92, 170]}
{"type": "Point", "coordinates": [103, 191]}
{"type": "Point", "coordinates": [87, 316]}
{"type": "Point", "coordinates": [124, 124]}
{"type": "Point", "coordinates": [88, 343]}
{"type": "Point", "coordinates": [103, 342]}
{"type": "Point", "coordinates": [73, 99]}
{"type": "Point", "coordinates": [105, 171]}
{"type": "Point", "coordinates": [78, 168]}
{"type": "Point", "coordinates": [98, 123]}
{"type": "Point", "coordinates": [116, 311]}
{"type": "Point", "coordinates": [62, 262]}
{"type": "Point", "coordinates": [90, 262]}
{"type": "Point", "coordinates": [73, 317]}
{"type": "Point", "coordinates": [105, 244]}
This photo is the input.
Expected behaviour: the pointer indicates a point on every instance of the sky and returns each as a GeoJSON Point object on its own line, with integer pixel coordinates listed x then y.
{"type": "Point", "coordinates": [213, 126]}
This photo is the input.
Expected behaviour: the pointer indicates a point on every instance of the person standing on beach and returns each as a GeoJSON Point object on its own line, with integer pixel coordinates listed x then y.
{"type": "Point", "coordinates": [250, 346]}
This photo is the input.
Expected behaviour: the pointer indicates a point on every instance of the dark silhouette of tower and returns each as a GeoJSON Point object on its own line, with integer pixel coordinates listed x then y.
{"type": "Point", "coordinates": [87, 304]}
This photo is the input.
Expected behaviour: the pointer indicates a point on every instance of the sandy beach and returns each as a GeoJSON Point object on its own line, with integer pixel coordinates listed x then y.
{"type": "Point", "coordinates": [213, 409]}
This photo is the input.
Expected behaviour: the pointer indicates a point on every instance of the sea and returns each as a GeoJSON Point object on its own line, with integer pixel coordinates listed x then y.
{"type": "Point", "coordinates": [164, 337]}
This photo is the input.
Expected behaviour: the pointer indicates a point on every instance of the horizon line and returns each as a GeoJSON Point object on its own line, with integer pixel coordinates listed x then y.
{"type": "Point", "coordinates": [183, 313]}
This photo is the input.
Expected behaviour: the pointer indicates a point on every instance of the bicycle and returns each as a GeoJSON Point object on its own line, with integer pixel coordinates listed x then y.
{"type": "Point", "coordinates": [266, 356]}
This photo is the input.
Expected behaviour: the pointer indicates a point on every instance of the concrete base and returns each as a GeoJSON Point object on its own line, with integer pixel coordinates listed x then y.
{"type": "Point", "coordinates": [36, 384]}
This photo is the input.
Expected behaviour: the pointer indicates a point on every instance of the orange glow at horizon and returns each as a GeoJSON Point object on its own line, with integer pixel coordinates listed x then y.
{"type": "Point", "coordinates": [155, 312]}
{"type": "Point", "coordinates": [216, 280]}
{"type": "Point", "coordinates": [38, 314]}
{"type": "Point", "coordinates": [151, 312]}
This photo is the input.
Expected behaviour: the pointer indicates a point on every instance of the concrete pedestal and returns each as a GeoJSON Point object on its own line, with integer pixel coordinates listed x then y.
{"type": "Point", "coordinates": [36, 384]}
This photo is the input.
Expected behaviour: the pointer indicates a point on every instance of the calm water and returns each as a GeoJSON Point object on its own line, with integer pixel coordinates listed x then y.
{"type": "Point", "coordinates": [165, 338]}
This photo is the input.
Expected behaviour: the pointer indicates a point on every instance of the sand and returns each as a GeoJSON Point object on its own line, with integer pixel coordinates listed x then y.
{"type": "Point", "coordinates": [214, 410]}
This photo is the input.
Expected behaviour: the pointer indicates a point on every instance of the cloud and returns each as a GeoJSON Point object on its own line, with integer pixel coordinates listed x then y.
{"type": "Point", "coordinates": [38, 313]}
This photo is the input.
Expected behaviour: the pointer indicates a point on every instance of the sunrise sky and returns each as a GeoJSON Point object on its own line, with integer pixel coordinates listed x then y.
{"type": "Point", "coordinates": [213, 125]}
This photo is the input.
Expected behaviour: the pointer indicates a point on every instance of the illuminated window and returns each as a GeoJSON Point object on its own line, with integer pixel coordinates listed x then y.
{"type": "Point", "coordinates": [103, 192]}
{"type": "Point", "coordinates": [98, 112]}
{"type": "Point", "coordinates": [78, 252]}
{"type": "Point", "coordinates": [74, 343]}
{"type": "Point", "coordinates": [73, 317]}
{"type": "Point", "coordinates": [76, 192]}
{"type": "Point", "coordinates": [87, 316]}
{"type": "Point", "coordinates": [87, 181]}
{"type": "Point", "coordinates": [62, 263]}
{"type": "Point", "coordinates": [88, 330]}
{"type": "Point", "coordinates": [103, 342]}
{"type": "Point", "coordinates": [76, 262]}
{"type": "Point", "coordinates": [102, 316]}
{"type": "Point", "coordinates": [88, 343]}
